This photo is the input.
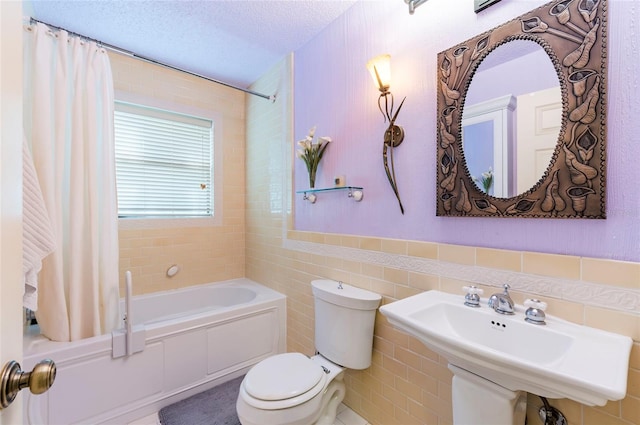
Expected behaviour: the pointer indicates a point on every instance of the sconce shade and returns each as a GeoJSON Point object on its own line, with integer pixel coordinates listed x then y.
{"type": "Point", "coordinates": [380, 69]}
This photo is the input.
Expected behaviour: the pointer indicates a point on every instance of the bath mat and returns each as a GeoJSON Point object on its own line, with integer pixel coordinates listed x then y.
{"type": "Point", "coordinates": [216, 406]}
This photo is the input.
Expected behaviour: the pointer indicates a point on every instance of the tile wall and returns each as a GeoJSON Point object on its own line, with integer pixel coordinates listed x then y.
{"type": "Point", "coordinates": [407, 383]}
{"type": "Point", "coordinates": [204, 254]}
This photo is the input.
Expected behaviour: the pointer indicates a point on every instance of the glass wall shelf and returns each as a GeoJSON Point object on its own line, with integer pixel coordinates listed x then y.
{"type": "Point", "coordinates": [354, 192]}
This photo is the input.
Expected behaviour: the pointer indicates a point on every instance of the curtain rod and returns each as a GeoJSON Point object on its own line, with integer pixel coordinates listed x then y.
{"type": "Point", "coordinates": [272, 98]}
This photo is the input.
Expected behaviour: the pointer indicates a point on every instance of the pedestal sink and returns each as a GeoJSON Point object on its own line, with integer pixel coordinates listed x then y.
{"type": "Point", "coordinates": [495, 357]}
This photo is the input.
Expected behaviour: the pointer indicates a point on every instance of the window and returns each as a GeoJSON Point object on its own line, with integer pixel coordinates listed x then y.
{"type": "Point", "coordinates": [164, 163]}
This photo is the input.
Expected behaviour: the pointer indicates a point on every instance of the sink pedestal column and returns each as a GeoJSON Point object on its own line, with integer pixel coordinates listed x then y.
{"type": "Point", "coordinates": [477, 401]}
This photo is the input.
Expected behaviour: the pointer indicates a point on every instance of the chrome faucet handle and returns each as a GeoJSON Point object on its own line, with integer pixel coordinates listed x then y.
{"type": "Point", "coordinates": [506, 287]}
{"type": "Point", "coordinates": [535, 311]}
{"type": "Point", "coordinates": [472, 299]}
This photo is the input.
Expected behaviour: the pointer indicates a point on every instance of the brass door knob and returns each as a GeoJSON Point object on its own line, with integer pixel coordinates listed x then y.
{"type": "Point", "coordinates": [13, 379]}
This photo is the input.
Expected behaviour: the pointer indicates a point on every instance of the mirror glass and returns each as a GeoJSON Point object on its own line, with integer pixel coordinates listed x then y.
{"type": "Point", "coordinates": [511, 119]}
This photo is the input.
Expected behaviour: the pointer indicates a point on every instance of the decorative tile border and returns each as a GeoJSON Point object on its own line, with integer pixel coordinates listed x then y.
{"type": "Point", "coordinates": [605, 296]}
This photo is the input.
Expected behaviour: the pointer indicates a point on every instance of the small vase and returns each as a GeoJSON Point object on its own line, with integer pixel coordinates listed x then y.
{"type": "Point", "coordinates": [312, 178]}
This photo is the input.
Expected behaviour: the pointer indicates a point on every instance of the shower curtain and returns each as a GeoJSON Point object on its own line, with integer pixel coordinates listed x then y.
{"type": "Point", "coordinates": [69, 124]}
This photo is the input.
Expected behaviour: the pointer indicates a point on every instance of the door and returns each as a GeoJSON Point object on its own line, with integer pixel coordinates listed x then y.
{"type": "Point", "coordinates": [489, 126]}
{"type": "Point", "coordinates": [539, 117]}
{"type": "Point", "coordinates": [11, 194]}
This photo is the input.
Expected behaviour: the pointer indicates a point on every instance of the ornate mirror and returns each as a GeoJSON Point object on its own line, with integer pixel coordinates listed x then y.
{"type": "Point", "coordinates": [522, 117]}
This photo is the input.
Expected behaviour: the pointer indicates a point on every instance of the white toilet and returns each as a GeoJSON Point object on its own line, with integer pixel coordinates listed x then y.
{"type": "Point", "coordinates": [292, 389]}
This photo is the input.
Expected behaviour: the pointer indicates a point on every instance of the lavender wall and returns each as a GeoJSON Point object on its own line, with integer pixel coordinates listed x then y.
{"type": "Point", "coordinates": [334, 91]}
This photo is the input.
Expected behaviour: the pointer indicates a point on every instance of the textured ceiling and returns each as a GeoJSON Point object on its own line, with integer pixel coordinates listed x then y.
{"type": "Point", "coordinates": [235, 41]}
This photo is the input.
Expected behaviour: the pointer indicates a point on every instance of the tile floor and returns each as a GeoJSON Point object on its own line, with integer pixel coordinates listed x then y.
{"type": "Point", "coordinates": [346, 416]}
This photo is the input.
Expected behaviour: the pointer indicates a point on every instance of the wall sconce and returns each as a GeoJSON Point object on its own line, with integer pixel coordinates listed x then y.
{"type": "Point", "coordinates": [380, 69]}
{"type": "Point", "coordinates": [413, 4]}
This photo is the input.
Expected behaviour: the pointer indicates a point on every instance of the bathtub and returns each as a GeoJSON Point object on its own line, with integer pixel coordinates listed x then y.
{"type": "Point", "coordinates": [195, 338]}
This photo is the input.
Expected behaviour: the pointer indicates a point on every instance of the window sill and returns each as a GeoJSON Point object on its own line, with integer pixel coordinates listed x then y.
{"type": "Point", "coordinates": [167, 223]}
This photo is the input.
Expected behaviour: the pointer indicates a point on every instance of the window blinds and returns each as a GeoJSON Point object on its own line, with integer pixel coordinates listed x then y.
{"type": "Point", "coordinates": [163, 163]}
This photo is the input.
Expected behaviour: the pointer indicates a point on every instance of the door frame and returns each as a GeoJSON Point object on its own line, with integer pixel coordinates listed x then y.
{"type": "Point", "coordinates": [11, 71]}
{"type": "Point", "coordinates": [501, 113]}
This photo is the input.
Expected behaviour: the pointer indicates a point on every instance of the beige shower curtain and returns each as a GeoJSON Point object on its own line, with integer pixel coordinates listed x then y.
{"type": "Point", "coordinates": [69, 125]}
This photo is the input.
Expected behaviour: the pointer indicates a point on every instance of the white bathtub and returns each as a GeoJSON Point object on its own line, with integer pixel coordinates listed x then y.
{"type": "Point", "coordinates": [196, 338]}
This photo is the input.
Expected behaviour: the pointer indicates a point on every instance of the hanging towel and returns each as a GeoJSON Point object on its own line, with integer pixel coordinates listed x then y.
{"type": "Point", "coordinates": [38, 240]}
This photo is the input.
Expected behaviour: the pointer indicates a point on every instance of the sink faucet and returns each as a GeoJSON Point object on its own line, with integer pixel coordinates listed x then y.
{"type": "Point", "coordinates": [502, 302]}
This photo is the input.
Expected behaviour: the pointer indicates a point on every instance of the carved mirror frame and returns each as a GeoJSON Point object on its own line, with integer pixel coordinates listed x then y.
{"type": "Point", "coordinates": [573, 33]}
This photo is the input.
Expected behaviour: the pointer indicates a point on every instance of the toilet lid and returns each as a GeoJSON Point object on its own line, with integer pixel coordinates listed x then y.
{"type": "Point", "coordinates": [282, 377]}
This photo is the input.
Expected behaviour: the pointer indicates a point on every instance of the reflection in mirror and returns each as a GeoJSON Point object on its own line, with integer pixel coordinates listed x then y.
{"type": "Point", "coordinates": [511, 119]}
{"type": "Point", "coordinates": [560, 176]}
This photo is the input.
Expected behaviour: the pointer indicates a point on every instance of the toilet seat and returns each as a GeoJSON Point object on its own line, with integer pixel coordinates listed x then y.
{"type": "Point", "coordinates": [283, 381]}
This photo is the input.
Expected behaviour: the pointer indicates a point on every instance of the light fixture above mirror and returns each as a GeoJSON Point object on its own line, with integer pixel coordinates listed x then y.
{"type": "Point", "coordinates": [573, 35]}
{"type": "Point", "coordinates": [479, 5]}
{"type": "Point", "coordinates": [413, 4]}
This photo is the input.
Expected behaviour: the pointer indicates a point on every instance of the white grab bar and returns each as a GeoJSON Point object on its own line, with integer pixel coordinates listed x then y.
{"type": "Point", "coordinates": [129, 315]}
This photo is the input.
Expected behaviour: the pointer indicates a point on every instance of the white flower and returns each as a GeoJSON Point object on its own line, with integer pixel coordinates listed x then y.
{"type": "Point", "coordinates": [488, 174]}
{"type": "Point", "coordinates": [311, 153]}
{"type": "Point", "coordinates": [486, 180]}
{"type": "Point", "coordinates": [305, 144]}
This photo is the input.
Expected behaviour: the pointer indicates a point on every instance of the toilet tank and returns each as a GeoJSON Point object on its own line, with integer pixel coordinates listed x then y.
{"type": "Point", "coordinates": [344, 317]}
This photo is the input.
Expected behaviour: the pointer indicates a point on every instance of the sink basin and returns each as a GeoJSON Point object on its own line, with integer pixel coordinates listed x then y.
{"type": "Point", "coordinates": [557, 360]}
